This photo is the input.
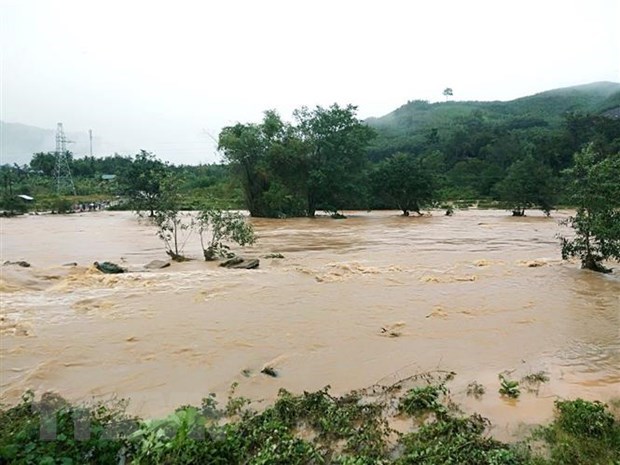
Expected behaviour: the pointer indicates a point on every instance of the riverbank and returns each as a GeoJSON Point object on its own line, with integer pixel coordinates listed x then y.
{"type": "Point", "coordinates": [312, 428]}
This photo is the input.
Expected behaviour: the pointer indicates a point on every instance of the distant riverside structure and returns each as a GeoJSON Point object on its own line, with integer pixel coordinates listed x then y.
{"type": "Point", "coordinates": [64, 181]}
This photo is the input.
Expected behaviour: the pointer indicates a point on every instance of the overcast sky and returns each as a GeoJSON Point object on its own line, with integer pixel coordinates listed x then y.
{"type": "Point", "coordinates": [162, 75]}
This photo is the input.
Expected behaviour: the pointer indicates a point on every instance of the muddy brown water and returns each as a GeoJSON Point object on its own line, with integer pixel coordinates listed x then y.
{"type": "Point", "coordinates": [477, 293]}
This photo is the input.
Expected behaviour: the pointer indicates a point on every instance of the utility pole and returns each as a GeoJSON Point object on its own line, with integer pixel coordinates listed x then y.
{"type": "Point", "coordinates": [64, 181]}
{"type": "Point", "coordinates": [90, 135]}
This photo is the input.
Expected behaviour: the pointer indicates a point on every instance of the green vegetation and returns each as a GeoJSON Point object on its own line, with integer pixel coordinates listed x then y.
{"type": "Point", "coordinates": [217, 227]}
{"type": "Point", "coordinates": [311, 428]}
{"type": "Point", "coordinates": [143, 183]}
{"type": "Point", "coordinates": [595, 186]}
{"type": "Point", "coordinates": [508, 387]}
{"type": "Point", "coordinates": [405, 182]}
{"type": "Point", "coordinates": [475, 389]}
{"type": "Point", "coordinates": [296, 169]}
{"type": "Point", "coordinates": [528, 183]}
{"type": "Point", "coordinates": [583, 432]}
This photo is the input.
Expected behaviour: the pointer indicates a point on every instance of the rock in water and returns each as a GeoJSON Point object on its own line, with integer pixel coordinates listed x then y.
{"type": "Point", "coordinates": [269, 371]}
{"type": "Point", "coordinates": [109, 268]}
{"type": "Point", "coordinates": [247, 264]}
{"type": "Point", "coordinates": [231, 262]}
{"type": "Point", "coordinates": [157, 265]}
{"type": "Point", "coordinates": [21, 263]}
{"type": "Point", "coordinates": [241, 264]}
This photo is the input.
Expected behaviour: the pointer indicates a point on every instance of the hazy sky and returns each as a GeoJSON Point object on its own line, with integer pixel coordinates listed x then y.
{"type": "Point", "coordinates": [161, 75]}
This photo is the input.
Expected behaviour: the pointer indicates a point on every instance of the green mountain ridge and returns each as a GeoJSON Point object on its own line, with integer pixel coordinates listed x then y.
{"type": "Point", "coordinates": [594, 98]}
{"type": "Point", "coordinates": [418, 125]}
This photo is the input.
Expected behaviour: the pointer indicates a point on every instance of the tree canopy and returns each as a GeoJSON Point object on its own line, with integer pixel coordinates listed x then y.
{"type": "Point", "coordinates": [290, 169]}
{"type": "Point", "coordinates": [595, 188]}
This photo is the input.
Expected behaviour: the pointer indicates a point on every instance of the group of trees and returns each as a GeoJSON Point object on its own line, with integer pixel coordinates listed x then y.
{"type": "Point", "coordinates": [116, 178]}
{"type": "Point", "coordinates": [295, 169]}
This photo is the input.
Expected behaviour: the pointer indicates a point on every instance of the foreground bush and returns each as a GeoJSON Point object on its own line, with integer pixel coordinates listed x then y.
{"type": "Point", "coordinates": [312, 428]}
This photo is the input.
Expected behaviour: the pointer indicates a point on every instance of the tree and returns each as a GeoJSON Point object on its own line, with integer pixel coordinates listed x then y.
{"type": "Point", "coordinates": [528, 183]}
{"type": "Point", "coordinates": [245, 147]}
{"type": "Point", "coordinates": [447, 92]}
{"type": "Point", "coordinates": [405, 182]}
{"type": "Point", "coordinates": [217, 227]}
{"type": "Point", "coordinates": [142, 182]}
{"type": "Point", "coordinates": [595, 188]}
{"type": "Point", "coordinates": [44, 162]}
{"type": "Point", "coordinates": [297, 169]}
{"type": "Point", "coordinates": [336, 143]}
{"type": "Point", "coordinates": [173, 226]}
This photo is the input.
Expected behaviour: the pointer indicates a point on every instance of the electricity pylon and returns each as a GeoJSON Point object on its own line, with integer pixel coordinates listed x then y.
{"type": "Point", "coordinates": [64, 181]}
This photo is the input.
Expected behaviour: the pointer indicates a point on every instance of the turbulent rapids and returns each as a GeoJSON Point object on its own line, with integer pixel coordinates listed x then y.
{"type": "Point", "coordinates": [375, 297]}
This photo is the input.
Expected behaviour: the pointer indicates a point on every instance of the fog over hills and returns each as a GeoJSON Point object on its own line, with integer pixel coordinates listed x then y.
{"type": "Point", "coordinates": [19, 141]}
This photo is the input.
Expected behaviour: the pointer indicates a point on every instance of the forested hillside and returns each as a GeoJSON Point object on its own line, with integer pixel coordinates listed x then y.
{"type": "Point", "coordinates": [420, 125]}
{"type": "Point", "coordinates": [477, 142]}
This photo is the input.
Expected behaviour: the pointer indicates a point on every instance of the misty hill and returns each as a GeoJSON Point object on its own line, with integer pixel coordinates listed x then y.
{"type": "Point", "coordinates": [417, 124]}
{"type": "Point", "coordinates": [19, 141]}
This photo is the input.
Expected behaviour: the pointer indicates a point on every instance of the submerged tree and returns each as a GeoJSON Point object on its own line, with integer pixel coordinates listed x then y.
{"type": "Point", "coordinates": [174, 226]}
{"type": "Point", "coordinates": [297, 169]}
{"type": "Point", "coordinates": [336, 142]}
{"type": "Point", "coordinates": [595, 188]}
{"type": "Point", "coordinates": [404, 182]}
{"type": "Point", "coordinates": [245, 147]}
{"type": "Point", "coordinates": [529, 183]}
{"type": "Point", "coordinates": [218, 227]}
{"type": "Point", "coordinates": [143, 180]}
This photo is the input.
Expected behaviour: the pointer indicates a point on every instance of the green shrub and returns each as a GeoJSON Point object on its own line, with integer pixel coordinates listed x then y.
{"type": "Point", "coordinates": [310, 429]}
{"type": "Point", "coordinates": [53, 431]}
{"type": "Point", "coordinates": [583, 432]}
{"type": "Point", "coordinates": [422, 400]}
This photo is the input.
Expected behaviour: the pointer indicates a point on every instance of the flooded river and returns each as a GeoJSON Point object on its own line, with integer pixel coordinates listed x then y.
{"type": "Point", "coordinates": [372, 298]}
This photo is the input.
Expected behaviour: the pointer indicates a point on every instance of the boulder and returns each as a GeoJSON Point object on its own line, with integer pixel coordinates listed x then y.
{"type": "Point", "coordinates": [231, 262]}
{"type": "Point", "coordinates": [247, 264]}
{"type": "Point", "coordinates": [109, 268]}
{"type": "Point", "coordinates": [269, 371]}
{"type": "Point", "coordinates": [157, 264]}
{"type": "Point", "coordinates": [241, 264]}
{"type": "Point", "coordinates": [21, 263]}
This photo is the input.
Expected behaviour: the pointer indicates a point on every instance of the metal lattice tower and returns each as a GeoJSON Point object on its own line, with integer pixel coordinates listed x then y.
{"type": "Point", "coordinates": [64, 181]}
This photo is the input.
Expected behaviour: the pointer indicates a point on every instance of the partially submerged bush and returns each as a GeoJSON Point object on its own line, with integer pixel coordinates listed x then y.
{"type": "Point", "coordinates": [219, 227]}
{"type": "Point", "coordinates": [422, 400]}
{"type": "Point", "coordinates": [53, 431]}
{"type": "Point", "coordinates": [508, 387]}
{"type": "Point", "coordinates": [583, 432]}
{"type": "Point", "coordinates": [311, 428]}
